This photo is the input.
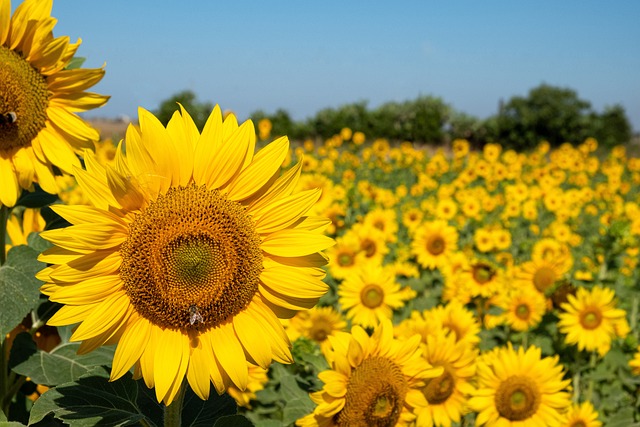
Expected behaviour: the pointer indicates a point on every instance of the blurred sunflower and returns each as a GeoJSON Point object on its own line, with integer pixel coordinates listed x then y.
{"type": "Point", "coordinates": [192, 250]}
{"type": "Point", "coordinates": [634, 363]}
{"type": "Point", "coordinates": [433, 243]}
{"type": "Point", "coordinates": [541, 274]}
{"type": "Point", "coordinates": [455, 318]}
{"type": "Point", "coordinates": [590, 318]}
{"type": "Point", "coordinates": [317, 324]}
{"type": "Point", "coordinates": [371, 293]}
{"type": "Point", "coordinates": [523, 309]}
{"type": "Point", "coordinates": [372, 381]}
{"type": "Point", "coordinates": [482, 279]}
{"type": "Point", "coordinates": [39, 97]}
{"type": "Point", "coordinates": [257, 379]}
{"type": "Point", "coordinates": [446, 396]}
{"type": "Point", "coordinates": [582, 415]}
{"type": "Point", "coordinates": [518, 388]}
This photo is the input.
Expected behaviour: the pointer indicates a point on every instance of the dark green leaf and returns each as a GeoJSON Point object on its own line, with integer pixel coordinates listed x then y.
{"type": "Point", "coordinates": [204, 413]}
{"type": "Point", "coordinates": [92, 400]}
{"type": "Point", "coordinates": [233, 421]}
{"type": "Point", "coordinates": [22, 349]}
{"type": "Point", "coordinates": [63, 364]}
{"type": "Point", "coordinates": [36, 199]}
{"type": "Point", "coordinates": [19, 289]}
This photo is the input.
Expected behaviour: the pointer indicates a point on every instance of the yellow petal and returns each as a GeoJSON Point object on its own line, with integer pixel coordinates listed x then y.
{"type": "Point", "coordinates": [207, 147]}
{"type": "Point", "coordinates": [170, 364]}
{"type": "Point", "coordinates": [294, 282]}
{"type": "Point", "coordinates": [106, 314]}
{"type": "Point", "coordinates": [58, 151]}
{"type": "Point", "coordinates": [229, 353]}
{"type": "Point", "coordinates": [95, 289]}
{"type": "Point", "coordinates": [130, 347]}
{"type": "Point", "coordinates": [282, 213]}
{"type": "Point", "coordinates": [5, 19]}
{"type": "Point", "coordinates": [253, 338]}
{"type": "Point", "coordinates": [229, 158]}
{"type": "Point", "coordinates": [294, 243]}
{"type": "Point", "coordinates": [258, 173]}
{"type": "Point", "coordinates": [10, 189]}
{"type": "Point", "coordinates": [71, 314]}
{"type": "Point", "coordinates": [87, 266]}
{"type": "Point", "coordinates": [200, 361]}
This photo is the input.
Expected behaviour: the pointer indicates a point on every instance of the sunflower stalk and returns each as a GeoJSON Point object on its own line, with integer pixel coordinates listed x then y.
{"type": "Point", "coordinates": [173, 412]}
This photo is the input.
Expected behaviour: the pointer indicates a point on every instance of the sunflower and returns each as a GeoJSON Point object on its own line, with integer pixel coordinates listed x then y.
{"type": "Point", "coordinates": [345, 256]}
{"type": "Point", "coordinates": [582, 415]}
{"type": "Point", "coordinates": [590, 319]}
{"type": "Point", "coordinates": [445, 397]}
{"type": "Point", "coordinates": [372, 380]}
{"type": "Point", "coordinates": [191, 251]}
{"type": "Point", "coordinates": [518, 387]}
{"type": "Point", "coordinates": [371, 293]}
{"type": "Point", "coordinates": [541, 274]}
{"type": "Point", "coordinates": [38, 100]}
{"type": "Point", "coordinates": [634, 363]}
{"type": "Point", "coordinates": [523, 309]}
{"type": "Point", "coordinates": [482, 279]}
{"type": "Point", "coordinates": [317, 324]}
{"type": "Point", "coordinates": [455, 318]}
{"type": "Point", "coordinates": [433, 243]}
{"type": "Point", "coordinates": [257, 379]}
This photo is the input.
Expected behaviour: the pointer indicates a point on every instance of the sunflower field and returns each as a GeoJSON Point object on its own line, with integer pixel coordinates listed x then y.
{"type": "Point", "coordinates": [215, 275]}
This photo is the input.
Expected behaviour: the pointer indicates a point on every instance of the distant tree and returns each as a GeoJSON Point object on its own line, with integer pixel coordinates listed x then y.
{"type": "Point", "coordinates": [612, 127]}
{"type": "Point", "coordinates": [547, 113]}
{"type": "Point", "coordinates": [199, 111]}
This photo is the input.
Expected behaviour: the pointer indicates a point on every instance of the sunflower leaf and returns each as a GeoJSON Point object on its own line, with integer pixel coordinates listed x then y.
{"type": "Point", "coordinates": [63, 364]}
{"type": "Point", "coordinates": [92, 400]}
{"type": "Point", "coordinates": [19, 289]}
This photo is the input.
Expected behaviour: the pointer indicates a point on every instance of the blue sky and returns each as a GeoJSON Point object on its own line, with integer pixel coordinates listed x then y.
{"type": "Point", "coordinates": [306, 56]}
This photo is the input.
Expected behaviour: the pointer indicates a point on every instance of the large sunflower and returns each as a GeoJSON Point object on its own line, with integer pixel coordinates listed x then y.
{"type": "Point", "coordinates": [192, 250]}
{"type": "Point", "coordinates": [373, 380]}
{"type": "Point", "coordinates": [590, 319]}
{"type": "Point", "coordinates": [518, 388]}
{"type": "Point", "coordinates": [38, 100]}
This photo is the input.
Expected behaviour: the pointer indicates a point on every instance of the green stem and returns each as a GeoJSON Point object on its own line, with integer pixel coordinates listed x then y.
{"type": "Point", "coordinates": [173, 412]}
{"type": "Point", "coordinates": [576, 378]}
{"type": "Point", "coordinates": [592, 365]}
{"type": "Point", "coordinates": [5, 211]}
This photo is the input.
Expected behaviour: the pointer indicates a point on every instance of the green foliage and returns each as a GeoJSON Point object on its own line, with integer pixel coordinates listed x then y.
{"type": "Point", "coordinates": [557, 115]}
{"type": "Point", "coordinates": [199, 111]}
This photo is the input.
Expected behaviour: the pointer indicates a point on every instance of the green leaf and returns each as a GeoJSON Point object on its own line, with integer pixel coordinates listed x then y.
{"type": "Point", "coordinates": [296, 409]}
{"type": "Point", "coordinates": [36, 199]}
{"type": "Point", "coordinates": [19, 289]}
{"type": "Point", "coordinates": [22, 348]}
{"type": "Point", "coordinates": [38, 243]}
{"type": "Point", "coordinates": [204, 413]}
{"type": "Point", "coordinates": [63, 364]}
{"type": "Point", "coordinates": [92, 400]}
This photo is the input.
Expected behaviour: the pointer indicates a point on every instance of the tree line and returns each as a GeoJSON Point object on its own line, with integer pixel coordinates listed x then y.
{"type": "Point", "coordinates": [549, 113]}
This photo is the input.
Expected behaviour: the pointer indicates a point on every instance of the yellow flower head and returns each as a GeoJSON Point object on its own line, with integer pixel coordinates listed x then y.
{"type": "Point", "coordinates": [371, 293]}
{"type": "Point", "coordinates": [192, 249]}
{"type": "Point", "coordinates": [582, 415]}
{"type": "Point", "coordinates": [39, 97]}
{"type": "Point", "coordinates": [519, 387]}
{"type": "Point", "coordinates": [590, 318]}
{"type": "Point", "coordinates": [372, 380]}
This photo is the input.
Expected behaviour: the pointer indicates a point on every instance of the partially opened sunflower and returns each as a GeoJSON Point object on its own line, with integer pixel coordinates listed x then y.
{"type": "Point", "coordinates": [192, 249]}
{"type": "Point", "coordinates": [39, 97]}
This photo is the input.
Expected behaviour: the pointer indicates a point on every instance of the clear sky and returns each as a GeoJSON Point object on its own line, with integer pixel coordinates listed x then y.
{"type": "Point", "coordinates": [304, 56]}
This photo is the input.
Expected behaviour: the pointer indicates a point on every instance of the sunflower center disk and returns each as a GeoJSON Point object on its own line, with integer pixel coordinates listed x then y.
{"type": "Point", "coordinates": [482, 273]}
{"type": "Point", "coordinates": [436, 245]}
{"type": "Point", "coordinates": [320, 330]}
{"type": "Point", "coordinates": [375, 394]}
{"type": "Point", "coordinates": [192, 259]}
{"type": "Point", "coordinates": [522, 312]}
{"type": "Point", "coordinates": [517, 398]}
{"type": "Point", "coordinates": [24, 99]}
{"type": "Point", "coordinates": [591, 319]}
{"type": "Point", "coordinates": [372, 296]}
{"type": "Point", "coordinates": [439, 389]}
